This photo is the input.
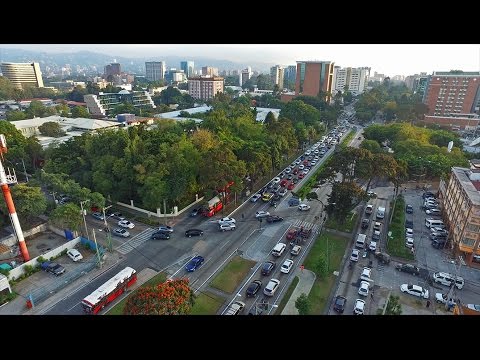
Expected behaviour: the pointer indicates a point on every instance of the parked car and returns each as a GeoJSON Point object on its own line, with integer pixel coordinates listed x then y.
{"type": "Point", "coordinates": [303, 207]}
{"type": "Point", "coordinates": [382, 257]}
{"type": "Point", "coordinates": [193, 232]}
{"type": "Point", "coordinates": [268, 267]}
{"type": "Point", "coordinates": [74, 254]}
{"type": "Point", "coordinates": [339, 304]}
{"type": "Point", "coordinates": [443, 299]}
{"type": "Point", "coordinates": [409, 209]}
{"type": "Point", "coordinates": [414, 290]}
{"type": "Point", "coordinates": [409, 224]}
{"type": "Point", "coordinates": [194, 263]}
{"type": "Point", "coordinates": [365, 223]}
{"type": "Point", "coordinates": [52, 268]}
{"type": "Point", "coordinates": [98, 216]}
{"type": "Point", "coordinates": [255, 197]}
{"type": "Point", "coordinates": [369, 209]}
{"type": "Point", "coordinates": [354, 255]}
{"type": "Point", "coordinates": [253, 288]}
{"type": "Point", "coordinates": [408, 268]}
{"type": "Point", "coordinates": [194, 212]}
{"type": "Point", "coordinates": [359, 308]}
{"type": "Point", "coordinates": [126, 224]}
{"type": "Point", "coordinates": [160, 235]}
{"type": "Point", "coordinates": [363, 290]}
{"type": "Point", "coordinates": [120, 232]}
{"type": "Point", "coordinates": [118, 215]}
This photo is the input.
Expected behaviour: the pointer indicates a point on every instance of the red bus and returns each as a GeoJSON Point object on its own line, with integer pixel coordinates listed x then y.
{"type": "Point", "coordinates": [109, 291]}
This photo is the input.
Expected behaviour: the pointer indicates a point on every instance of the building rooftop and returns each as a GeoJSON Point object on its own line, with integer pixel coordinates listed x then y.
{"type": "Point", "coordinates": [456, 73]}
{"type": "Point", "coordinates": [314, 61]}
{"type": "Point", "coordinates": [472, 188]}
{"type": "Point", "coordinates": [68, 123]}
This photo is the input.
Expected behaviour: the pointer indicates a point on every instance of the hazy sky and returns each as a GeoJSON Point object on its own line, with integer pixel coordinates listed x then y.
{"type": "Point", "coordinates": [390, 59]}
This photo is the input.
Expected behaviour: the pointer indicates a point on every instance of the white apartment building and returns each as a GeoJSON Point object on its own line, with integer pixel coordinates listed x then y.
{"type": "Point", "coordinates": [277, 75]}
{"type": "Point", "coordinates": [355, 79]}
{"type": "Point", "coordinates": [205, 87]}
{"type": "Point", "coordinates": [22, 74]}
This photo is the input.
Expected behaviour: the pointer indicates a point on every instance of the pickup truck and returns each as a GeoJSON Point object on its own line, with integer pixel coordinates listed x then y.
{"type": "Point", "coordinates": [235, 308]}
{"type": "Point", "coordinates": [53, 268]}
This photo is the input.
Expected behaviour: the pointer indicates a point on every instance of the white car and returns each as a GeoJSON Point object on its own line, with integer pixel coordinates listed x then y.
{"type": "Point", "coordinates": [271, 287]}
{"type": "Point", "coordinates": [409, 232]}
{"type": "Point", "coordinates": [359, 307]}
{"type": "Point", "coordinates": [286, 266]}
{"type": "Point", "coordinates": [276, 180]}
{"type": "Point", "coordinates": [227, 220]}
{"type": "Point", "coordinates": [74, 254]}
{"type": "Point", "coordinates": [373, 246]}
{"type": "Point", "coordinates": [433, 212]}
{"type": "Point", "coordinates": [473, 307]}
{"type": "Point", "coordinates": [227, 227]}
{"type": "Point", "coordinates": [255, 197]}
{"type": "Point", "coordinates": [261, 214]}
{"type": "Point", "coordinates": [414, 290]}
{"type": "Point", "coordinates": [126, 224]}
{"type": "Point", "coordinates": [442, 299]}
{"type": "Point", "coordinates": [366, 274]}
{"type": "Point", "coordinates": [303, 207]}
{"type": "Point", "coordinates": [355, 254]}
{"type": "Point", "coordinates": [301, 167]}
{"type": "Point", "coordinates": [363, 290]}
{"type": "Point", "coordinates": [409, 242]}
{"type": "Point", "coordinates": [288, 170]}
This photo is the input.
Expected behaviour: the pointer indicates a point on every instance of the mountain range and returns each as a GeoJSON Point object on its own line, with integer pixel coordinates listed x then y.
{"type": "Point", "coordinates": [87, 59]}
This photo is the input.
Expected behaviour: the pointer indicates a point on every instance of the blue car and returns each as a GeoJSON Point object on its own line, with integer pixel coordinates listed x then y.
{"type": "Point", "coordinates": [194, 263]}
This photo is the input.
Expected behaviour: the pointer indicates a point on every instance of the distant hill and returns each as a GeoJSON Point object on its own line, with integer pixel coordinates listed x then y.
{"type": "Point", "coordinates": [135, 65]}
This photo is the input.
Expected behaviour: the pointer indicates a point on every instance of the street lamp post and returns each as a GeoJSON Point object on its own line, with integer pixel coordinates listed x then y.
{"type": "Point", "coordinates": [84, 212]}
{"type": "Point", "coordinates": [107, 229]}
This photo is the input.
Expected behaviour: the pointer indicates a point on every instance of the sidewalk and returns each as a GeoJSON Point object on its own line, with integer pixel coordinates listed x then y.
{"type": "Point", "coordinates": [18, 305]}
{"type": "Point", "coordinates": [306, 278]}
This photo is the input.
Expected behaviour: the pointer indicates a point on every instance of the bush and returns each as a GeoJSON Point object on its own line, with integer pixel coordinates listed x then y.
{"type": "Point", "coordinates": [41, 259]}
{"type": "Point", "coordinates": [7, 297]}
{"type": "Point", "coordinates": [4, 272]}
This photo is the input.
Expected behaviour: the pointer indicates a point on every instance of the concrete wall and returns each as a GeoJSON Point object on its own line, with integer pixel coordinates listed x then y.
{"type": "Point", "coordinates": [4, 284]}
{"type": "Point", "coordinates": [19, 271]}
{"type": "Point", "coordinates": [12, 239]}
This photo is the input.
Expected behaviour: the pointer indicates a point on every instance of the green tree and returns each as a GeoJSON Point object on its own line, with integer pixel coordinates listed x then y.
{"type": "Point", "coordinates": [393, 307]}
{"type": "Point", "coordinates": [78, 93]}
{"type": "Point", "coordinates": [343, 198]}
{"type": "Point", "coordinates": [371, 145]}
{"type": "Point", "coordinates": [321, 266]}
{"type": "Point", "coordinates": [303, 304]}
{"type": "Point", "coordinates": [67, 216]}
{"type": "Point", "coordinates": [15, 115]}
{"type": "Point", "coordinates": [80, 112]}
{"type": "Point", "coordinates": [36, 109]}
{"type": "Point", "coordinates": [63, 110]}
{"type": "Point", "coordinates": [29, 201]}
{"type": "Point", "coordinates": [169, 298]}
{"type": "Point", "coordinates": [7, 90]}
{"type": "Point", "coordinates": [51, 128]}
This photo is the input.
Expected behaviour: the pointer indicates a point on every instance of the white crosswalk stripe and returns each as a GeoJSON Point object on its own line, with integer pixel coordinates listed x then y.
{"type": "Point", "coordinates": [307, 225]}
{"type": "Point", "coordinates": [135, 241]}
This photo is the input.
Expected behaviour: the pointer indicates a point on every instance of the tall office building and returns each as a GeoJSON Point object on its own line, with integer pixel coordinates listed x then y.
{"type": "Point", "coordinates": [354, 79]}
{"type": "Point", "coordinates": [111, 70]}
{"type": "Point", "coordinates": [245, 75]}
{"type": "Point", "coordinates": [277, 75]}
{"type": "Point", "coordinates": [187, 67]}
{"type": "Point", "coordinates": [452, 92]}
{"type": "Point", "coordinates": [208, 70]}
{"type": "Point", "coordinates": [205, 87]}
{"type": "Point", "coordinates": [313, 77]}
{"type": "Point", "coordinates": [155, 70]}
{"type": "Point", "coordinates": [23, 74]}
{"type": "Point", "coordinates": [290, 74]}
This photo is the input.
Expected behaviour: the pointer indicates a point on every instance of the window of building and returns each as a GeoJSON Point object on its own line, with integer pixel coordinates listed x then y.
{"type": "Point", "coordinates": [473, 228]}
{"type": "Point", "coordinates": [468, 242]}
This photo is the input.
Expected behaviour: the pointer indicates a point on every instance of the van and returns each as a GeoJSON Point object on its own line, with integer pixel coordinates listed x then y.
{"type": "Point", "coordinates": [279, 249]}
{"type": "Point", "coordinates": [380, 212]}
{"type": "Point", "coordinates": [360, 243]}
{"type": "Point", "coordinates": [448, 279]}
{"type": "Point", "coordinates": [293, 201]}
{"type": "Point", "coordinates": [433, 222]}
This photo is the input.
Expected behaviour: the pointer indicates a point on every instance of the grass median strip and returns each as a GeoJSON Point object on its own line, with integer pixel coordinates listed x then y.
{"type": "Point", "coordinates": [118, 308]}
{"type": "Point", "coordinates": [230, 277]}
{"type": "Point", "coordinates": [207, 303]}
{"type": "Point", "coordinates": [322, 287]}
{"type": "Point", "coordinates": [396, 243]}
{"type": "Point", "coordinates": [287, 295]}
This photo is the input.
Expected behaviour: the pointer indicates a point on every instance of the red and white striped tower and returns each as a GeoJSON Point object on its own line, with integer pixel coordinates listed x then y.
{"type": "Point", "coordinates": [4, 181]}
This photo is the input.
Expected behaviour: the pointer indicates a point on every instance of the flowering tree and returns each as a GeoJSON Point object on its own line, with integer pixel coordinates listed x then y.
{"type": "Point", "coordinates": [169, 298]}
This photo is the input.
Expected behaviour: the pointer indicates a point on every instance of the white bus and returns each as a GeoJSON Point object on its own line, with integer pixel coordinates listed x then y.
{"type": "Point", "coordinates": [433, 222]}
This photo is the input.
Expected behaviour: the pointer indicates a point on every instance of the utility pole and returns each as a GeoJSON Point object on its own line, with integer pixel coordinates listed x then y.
{"type": "Point", "coordinates": [84, 212]}
{"type": "Point", "coordinates": [107, 229]}
{"type": "Point", "coordinates": [96, 246]}
{"type": "Point", "coordinates": [452, 287]}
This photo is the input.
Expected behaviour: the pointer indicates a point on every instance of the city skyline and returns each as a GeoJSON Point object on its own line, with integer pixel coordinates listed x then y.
{"type": "Point", "coordinates": [388, 59]}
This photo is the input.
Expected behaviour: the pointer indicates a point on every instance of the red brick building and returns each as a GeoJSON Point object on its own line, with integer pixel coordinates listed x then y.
{"type": "Point", "coordinates": [313, 77]}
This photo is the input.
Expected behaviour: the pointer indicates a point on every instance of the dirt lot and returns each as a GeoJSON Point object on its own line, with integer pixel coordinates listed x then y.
{"type": "Point", "coordinates": [43, 242]}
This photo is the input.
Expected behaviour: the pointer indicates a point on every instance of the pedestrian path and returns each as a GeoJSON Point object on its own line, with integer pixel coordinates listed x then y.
{"type": "Point", "coordinates": [306, 278]}
{"type": "Point", "coordinates": [135, 241]}
{"type": "Point", "coordinates": [307, 226]}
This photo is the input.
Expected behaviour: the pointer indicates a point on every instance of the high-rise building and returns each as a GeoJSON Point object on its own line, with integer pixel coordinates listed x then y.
{"type": "Point", "coordinates": [112, 69]}
{"type": "Point", "coordinates": [23, 74]}
{"type": "Point", "coordinates": [353, 79]}
{"type": "Point", "coordinates": [461, 211]}
{"type": "Point", "coordinates": [208, 70]}
{"type": "Point", "coordinates": [205, 87]}
{"type": "Point", "coordinates": [289, 76]}
{"type": "Point", "coordinates": [245, 75]}
{"type": "Point", "coordinates": [452, 92]}
{"type": "Point", "coordinates": [187, 67]}
{"type": "Point", "coordinates": [155, 70]}
{"type": "Point", "coordinates": [277, 75]}
{"type": "Point", "coordinates": [313, 77]}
